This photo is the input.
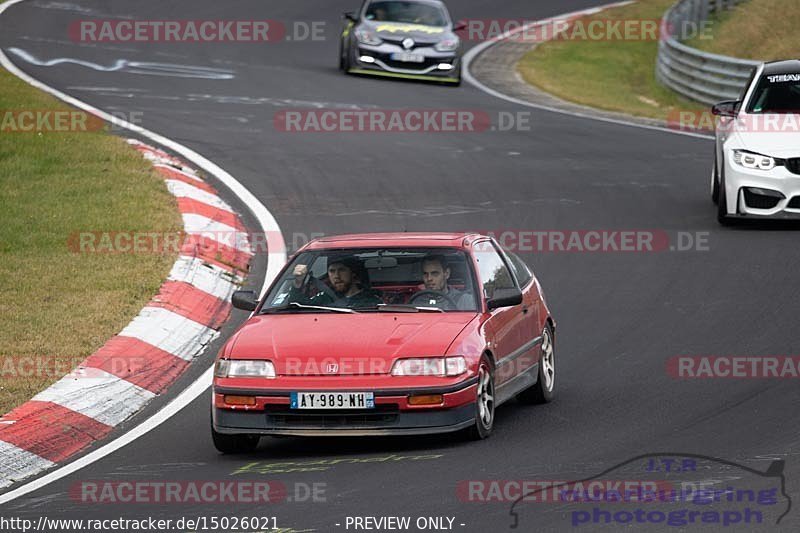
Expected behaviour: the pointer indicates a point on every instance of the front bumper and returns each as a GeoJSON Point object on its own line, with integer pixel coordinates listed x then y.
{"type": "Point", "coordinates": [392, 415]}
{"type": "Point", "coordinates": [761, 194]}
{"type": "Point", "coordinates": [381, 64]}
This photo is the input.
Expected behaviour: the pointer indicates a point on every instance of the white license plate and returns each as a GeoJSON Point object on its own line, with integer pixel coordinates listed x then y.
{"type": "Point", "coordinates": [408, 57]}
{"type": "Point", "coordinates": [332, 400]}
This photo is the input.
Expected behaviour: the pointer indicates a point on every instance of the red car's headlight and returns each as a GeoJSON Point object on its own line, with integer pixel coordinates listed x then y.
{"type": "Point", "coordinates": [228, 368]}
{"type": "Point", "coordinates": [430, 366]}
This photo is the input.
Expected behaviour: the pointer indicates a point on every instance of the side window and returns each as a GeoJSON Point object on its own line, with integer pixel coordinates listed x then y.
{"type": "Point", "coordinates": [492, 271]}
{"type": "Point", "coordinates": [521, 270]}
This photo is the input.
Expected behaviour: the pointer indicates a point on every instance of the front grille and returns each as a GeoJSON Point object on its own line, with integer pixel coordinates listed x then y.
{"type": "Point", "coordinates": [759, 201]}
{"type": "Point", "coordinates": [280, 417]}
{"type": "Point", "coordinates": [793, 165]}
{"type": "Point", "coordinates": [794, 203]}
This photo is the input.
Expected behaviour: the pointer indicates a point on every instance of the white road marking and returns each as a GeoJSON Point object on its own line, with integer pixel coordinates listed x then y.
{"type": "Point", "coordinates": [171, 332]}
{"type": "Point", "coordinates": [208, 278]}
{"type": "Point", "coordinates": [99, 395]}
{"type": "Point", "coordinates": [186, 190]}
{"type": "Point", "coordinates": [195, 224]}
{"type": "Point", "coordinates": [131, 67]}
{"type": "Point", "coordinates": [20, 462]}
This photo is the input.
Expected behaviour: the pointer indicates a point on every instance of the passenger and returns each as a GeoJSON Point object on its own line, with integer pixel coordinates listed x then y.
{"type": "Point", "coordinates": [349, 285]}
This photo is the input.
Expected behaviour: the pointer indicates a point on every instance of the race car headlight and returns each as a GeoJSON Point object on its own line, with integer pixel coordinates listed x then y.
{"type": "Point", "coordinates": [366, 36]}
{"type": "Point", "coordinates": [447, 45]}
{"type": "Point", "coordinates": [227, 368]}
{"type": "Point", "coordinates": [753, 160]}
{"type": "Point", "coordinates": [430, 366]}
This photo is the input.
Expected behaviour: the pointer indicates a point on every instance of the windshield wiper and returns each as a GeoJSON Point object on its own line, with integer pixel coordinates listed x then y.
{"type": "Point", "coordinates": [402, 308]}
{"type": "Point", "coordinates": [295, 305]}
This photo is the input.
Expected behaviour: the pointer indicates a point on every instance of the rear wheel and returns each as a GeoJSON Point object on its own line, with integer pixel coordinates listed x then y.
{"type": "Point", "coordinates": [234, 443]}
{"type": "Point", "coordinates": [484, 402]}
{"type": "Point", "coordinates": [544, 389]}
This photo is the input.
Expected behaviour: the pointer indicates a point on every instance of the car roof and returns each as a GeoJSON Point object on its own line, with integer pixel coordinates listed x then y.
{"type": "Point", "coordinates": [394, 240]}
{"type": "Point", "coordinates": [788, 66]}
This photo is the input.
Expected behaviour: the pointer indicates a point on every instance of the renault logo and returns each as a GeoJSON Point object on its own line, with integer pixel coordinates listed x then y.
{"type": "Point", "coordinates": [408, 43]}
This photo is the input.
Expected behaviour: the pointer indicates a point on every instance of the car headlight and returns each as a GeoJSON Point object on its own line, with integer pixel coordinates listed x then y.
{"type": "Point", "coordinates": [231, 368]}
{"type": "Point", "coordinates": [448, 44]}
{"type": "Point", "coordinates": [430, 366]}
{"type": "Point", "coordinates": [753, 160]}
{"type": "Point", "coordinates": [366, 36]}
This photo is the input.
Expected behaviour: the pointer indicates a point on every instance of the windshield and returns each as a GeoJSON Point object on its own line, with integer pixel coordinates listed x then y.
{"type": "Point", "coordinates": [406, 12]}
{"type": "Point", "coordinates": [777, 94]}
{"type": "Point", "coordinates": [374, 280]}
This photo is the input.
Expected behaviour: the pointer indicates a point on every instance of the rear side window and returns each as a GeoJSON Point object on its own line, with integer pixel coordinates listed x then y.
{"type": "Point", "coordinates": [492, 270]}
{"type": "Point", "coordinates": [521, 270]}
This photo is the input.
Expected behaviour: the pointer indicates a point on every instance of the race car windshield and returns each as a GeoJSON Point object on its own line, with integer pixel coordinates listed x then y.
{"type": "Point", "coordinates": [375, 280]}
{"type": "Point", "coordinates": [776, 94]}
{"type": "Point", "coordinates": [406, 12]}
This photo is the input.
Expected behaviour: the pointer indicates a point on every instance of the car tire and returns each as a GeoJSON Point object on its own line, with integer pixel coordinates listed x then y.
{"type": "Point", "coordinates": [232, 444]}
{"type": "Point", "coordinates": [722, 204]}
{"type": "Point", "coordinates": [715, 181]}
{"type": "Point", "coordinates": [484, 402]}
{"type": "Point", "coordinates": [544, 389]}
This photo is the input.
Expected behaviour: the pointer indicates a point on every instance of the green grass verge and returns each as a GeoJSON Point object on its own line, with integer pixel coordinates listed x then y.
{"type": "Point", "coordinates": [763, 30]}
{"type": "Point", "coordinates": [55, 303]}
{"type": "Point", "coordinates": [613, 75]}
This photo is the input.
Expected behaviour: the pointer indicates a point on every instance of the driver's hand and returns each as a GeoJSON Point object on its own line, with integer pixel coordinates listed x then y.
{"type": "Point", "coordinates": [299, 272]}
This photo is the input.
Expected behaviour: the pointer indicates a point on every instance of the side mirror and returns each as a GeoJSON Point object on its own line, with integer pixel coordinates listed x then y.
{"type": "Point", "coordinates": [729, 108]}
{"type": "Point", "coordinates": [460, 26]}
{"type": "Point", "coordinates": [245, 300]}
{"type": "Point", "coordinates": [349, 15]}
{"type": "Point", "coordinates": [505, 298]}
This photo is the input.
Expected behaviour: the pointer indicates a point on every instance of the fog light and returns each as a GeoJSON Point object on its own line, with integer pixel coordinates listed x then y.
{"type": "Point", "coordinates": [445, 66]}
{"type": "Point", "coordinates": [239, 400]}
{"type": "Point", "coordinates": [366, 59]}
{"type": "Point", "coordinates": [426, 399]}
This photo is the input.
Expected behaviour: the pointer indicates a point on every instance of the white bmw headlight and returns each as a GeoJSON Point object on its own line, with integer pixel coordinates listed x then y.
{"type": "Point", "coordinates": [430, 366]}
{"type": "Point", "coordinates": [228, 368]}
{"type": "Point", "coordinates": [366, 36]}
{"type": "Point", "coordinates": [753, 160]}
{"type": "Point", "coordinates": [448, 44]}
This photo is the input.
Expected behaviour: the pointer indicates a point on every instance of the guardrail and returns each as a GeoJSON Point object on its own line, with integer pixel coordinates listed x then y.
{"type": "Point", "coordinates": [701, 76]}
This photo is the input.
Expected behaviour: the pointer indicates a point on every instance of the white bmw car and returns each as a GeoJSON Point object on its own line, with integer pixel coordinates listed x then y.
{"type": "Point", "coordinates": [757, 156]}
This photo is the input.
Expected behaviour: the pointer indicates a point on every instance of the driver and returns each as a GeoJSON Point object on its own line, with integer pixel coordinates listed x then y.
{"type": "Point", "coordinates": [435, 274]}
{"type": "Point", "coordinates": [348, 282]}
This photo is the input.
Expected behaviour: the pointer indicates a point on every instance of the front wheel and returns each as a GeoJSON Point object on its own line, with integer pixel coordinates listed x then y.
{"type": "Point", "coordinates": [484, 402]}
{"type": "Point", "coordinates": [722, 205]}
{"type": "Point", "coordinates": [544, 389]}
{"type": "Point", "coordinates": [715, 181]}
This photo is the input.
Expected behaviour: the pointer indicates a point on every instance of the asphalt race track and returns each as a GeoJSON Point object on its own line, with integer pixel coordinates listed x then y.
{"type": "Point", "coordinates": [620, 316]}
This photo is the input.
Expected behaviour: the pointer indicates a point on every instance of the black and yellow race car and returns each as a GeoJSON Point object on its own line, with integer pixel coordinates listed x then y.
{"type": "Point", "coordinates": [412, 39]}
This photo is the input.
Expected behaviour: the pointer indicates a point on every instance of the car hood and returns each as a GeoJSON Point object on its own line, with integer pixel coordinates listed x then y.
{"type": "Point", "coordinates": [775, 135]}
{"type": "Point", "coordinates": [362, 343]}
{"type": "Point", "coordinates": [397, 31]}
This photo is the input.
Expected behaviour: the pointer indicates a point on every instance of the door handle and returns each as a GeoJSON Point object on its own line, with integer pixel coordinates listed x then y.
{"type": "Point", "coordinates": [525, 309]}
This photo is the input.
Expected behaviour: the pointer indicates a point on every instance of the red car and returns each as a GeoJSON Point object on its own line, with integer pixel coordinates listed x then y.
{"type": "Point", "coordinates": [385, 334]}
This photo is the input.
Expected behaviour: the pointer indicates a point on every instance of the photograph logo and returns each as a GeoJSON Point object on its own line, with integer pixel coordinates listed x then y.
{"type": "Point", "coordinates": [687, 490]}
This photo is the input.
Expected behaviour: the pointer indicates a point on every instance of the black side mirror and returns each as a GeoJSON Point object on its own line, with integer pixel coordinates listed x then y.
{"type": "Point", "coordinates": [245, 300]}
{"type": "Point", "coordinates": [505, 298]}
{"type": "Point", "coordinates": [349, 15]}
{"type": "Point", "coordinates": [729, 108]}
{"type": "Point", "coordinates": [460, 26]}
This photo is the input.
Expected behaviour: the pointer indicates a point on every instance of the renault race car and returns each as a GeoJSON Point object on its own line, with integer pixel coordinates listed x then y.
{"type": "Point", "coordinates": [385, 334]}
{"type": "Point", "coordinates": [413, 39]}
{"type": "Point", "coordinates": [756, 172]}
